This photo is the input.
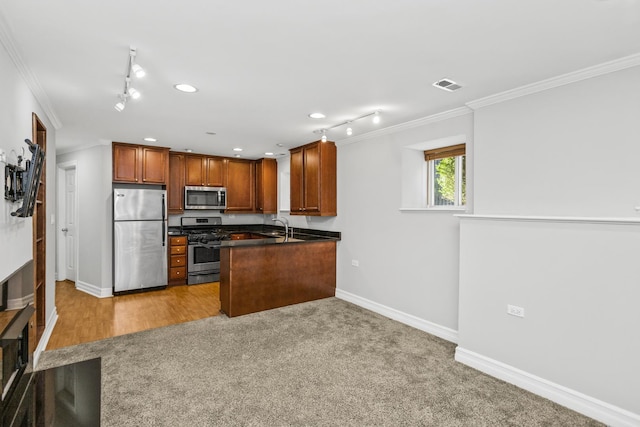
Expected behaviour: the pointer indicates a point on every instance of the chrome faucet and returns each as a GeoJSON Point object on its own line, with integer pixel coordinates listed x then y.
{"type": "Point", "coordinates": [286, 225]}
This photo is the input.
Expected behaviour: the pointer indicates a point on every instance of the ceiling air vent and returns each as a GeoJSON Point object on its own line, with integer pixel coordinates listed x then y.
{"type": "Point", "coordinates": [447, 84]}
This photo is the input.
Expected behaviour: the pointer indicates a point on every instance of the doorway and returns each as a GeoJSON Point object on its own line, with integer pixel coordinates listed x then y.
{"type": "Point", "coordinates": [67, 230]}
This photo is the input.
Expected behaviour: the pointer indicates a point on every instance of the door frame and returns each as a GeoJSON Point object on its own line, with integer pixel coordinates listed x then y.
{"type": "Point", "coordinates": [61, 242]}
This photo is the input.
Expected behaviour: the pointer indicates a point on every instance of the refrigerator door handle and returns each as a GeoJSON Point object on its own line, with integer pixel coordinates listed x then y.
{"type": "Point", "coordinates": [163, 224]}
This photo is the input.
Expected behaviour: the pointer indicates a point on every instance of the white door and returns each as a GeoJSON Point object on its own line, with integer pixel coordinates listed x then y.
{"type": "Point", "coordinates": [69, 224]}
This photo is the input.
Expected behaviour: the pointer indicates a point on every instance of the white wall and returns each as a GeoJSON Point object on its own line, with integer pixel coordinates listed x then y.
{"type": "Point", "coordinates": [571, 151]}
{"type": "Point", "coordinates": [408, 260]}
{"type": "Point", "coordinates": [93, 232]}
{"type": "Point", "coordinates": [18, 104]}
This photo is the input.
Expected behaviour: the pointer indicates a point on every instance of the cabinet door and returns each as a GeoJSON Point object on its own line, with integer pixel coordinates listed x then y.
{"type": "Point", "coordinates": [240, 185]}
{"type": "Point", "coordinates": [215, 169]}
{"type": "Point", "coordinates": [296, 181]}
{"type": "Point", "coordinates": [125, 163]}
{"type": "Point", "coordinates": [175, 185]}
{"type": "Point", "coordinates": [194, 167]}
{"type": "Point", "coordinates": [155, 163]}
{"type": "Point", "coordinates": [267, 186]}
{"type": "Point", "coordinates": [311, 201]}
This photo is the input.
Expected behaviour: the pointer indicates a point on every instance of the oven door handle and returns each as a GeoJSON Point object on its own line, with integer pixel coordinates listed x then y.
{"type": "Point", "coordinates": [205, 245]}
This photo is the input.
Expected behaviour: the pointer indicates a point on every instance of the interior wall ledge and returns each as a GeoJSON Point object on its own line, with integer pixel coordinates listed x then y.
{"type": "Point", "coordinates": [564, 79]}
{"type": "Point", "coordinates": [531, 218]}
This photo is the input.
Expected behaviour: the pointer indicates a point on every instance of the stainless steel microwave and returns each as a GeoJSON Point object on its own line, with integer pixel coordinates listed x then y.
{"type": "Point", "coordinates": [205, 198]}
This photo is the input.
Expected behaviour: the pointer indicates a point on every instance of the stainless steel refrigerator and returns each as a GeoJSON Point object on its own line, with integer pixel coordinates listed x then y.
{"type": "Point", "coordinates": [139, 238]}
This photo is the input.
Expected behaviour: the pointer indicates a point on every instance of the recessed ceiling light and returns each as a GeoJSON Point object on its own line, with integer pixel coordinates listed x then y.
{"type": "Point", "coordinates": [237, 149]}
{"type": "Point", "coordinates": [280, 145]}
{"type": "Point", "coordinates": [317, 116]}
{"type": "Point", "coordinates": [238, 155]}
{"type": "Point", "coordinates": [148, 139]}
{"type": "Point", "coordinates": [188, 150]}
{"type": "Point", "coordinates": [210, 133]}
{"type": "Point", "coordinates": [268, 154]}
{"type": "Point", "coordinates": [183, 87]}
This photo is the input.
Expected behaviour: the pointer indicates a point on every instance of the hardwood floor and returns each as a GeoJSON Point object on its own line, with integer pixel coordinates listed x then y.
{"type": "Point", "coordinates": [84, 318]}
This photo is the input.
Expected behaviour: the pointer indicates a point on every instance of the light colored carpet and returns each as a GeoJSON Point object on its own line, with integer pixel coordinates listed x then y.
{"type": "Point", "coordinates": [323, 363]}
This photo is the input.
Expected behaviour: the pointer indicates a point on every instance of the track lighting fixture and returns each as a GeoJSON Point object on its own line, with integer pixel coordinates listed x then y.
{"type": "Point", "coordinates": [130, 92]}
{"type": "Point", "coordinates": [376, 120]}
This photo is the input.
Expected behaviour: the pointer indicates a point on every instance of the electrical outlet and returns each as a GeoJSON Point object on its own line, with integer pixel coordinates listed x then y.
{"type": "Point", "coordinates": [514, 310]}
{"type": "Point", "coordinates": [355, 263]}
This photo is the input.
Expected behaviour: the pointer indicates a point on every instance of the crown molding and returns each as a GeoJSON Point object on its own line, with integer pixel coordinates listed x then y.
{"type": "Point", "coordinates": [27, 75]}
{"type": "Point", "coordinates": [564, 79]}
{"type": "Point", "coordinates": [461, 111]}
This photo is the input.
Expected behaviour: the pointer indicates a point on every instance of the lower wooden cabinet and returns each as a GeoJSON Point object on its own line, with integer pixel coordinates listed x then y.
{"type": "Point", "coordinates": [178, 260]}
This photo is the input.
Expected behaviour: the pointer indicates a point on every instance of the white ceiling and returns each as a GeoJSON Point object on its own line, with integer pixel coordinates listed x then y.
{"type": "Point", "coordinates": [262, 66]}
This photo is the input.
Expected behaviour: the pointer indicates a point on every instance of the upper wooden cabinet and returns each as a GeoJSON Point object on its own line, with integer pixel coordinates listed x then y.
{"type": "Point", "coordinates": [175, 185]}
{"type": "Point", "coordinates": [241, 185]}
{"type": "Point", "coordinates": [204, 171]}
{"type": "Point", "coordinates": [140, 164]}
{"type": "Point", "coordinates": [313, 179]}
{"type": "Point", "coordinates": [267, 186]}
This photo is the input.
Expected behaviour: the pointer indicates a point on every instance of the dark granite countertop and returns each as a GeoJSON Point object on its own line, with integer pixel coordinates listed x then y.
{"type": "Point", "coordinates": [262, 234]}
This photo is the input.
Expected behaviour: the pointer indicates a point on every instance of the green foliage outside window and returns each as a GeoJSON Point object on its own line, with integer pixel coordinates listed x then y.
{"type": "Point", "coordinates": [445, 174]}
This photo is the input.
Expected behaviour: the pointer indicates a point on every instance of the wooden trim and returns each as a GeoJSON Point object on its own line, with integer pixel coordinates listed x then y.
{"type": "Point", "coordinates": [39, 137]}
{"type": "Point", "coordinates": [442, 152]}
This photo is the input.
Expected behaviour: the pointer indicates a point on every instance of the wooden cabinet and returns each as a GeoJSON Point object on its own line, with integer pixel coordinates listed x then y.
{"type": "Point", "coordinates": [267, 186]}
{"type": "Point", "coordinates": [214, 168]}
{"type": "Point", "coordinates": [175, 185]}
{"type": "Point", "coordinates": [241, 185]}
{"type": "Point", "coordinates": [178, 260]}
{"type": "Point", "coordinates": [252, 186]}
{"type": "Point", "coordinates": [205, 171]}
{"type": "Point", "coordinates": [313, 179]}
{"type": "Point", "coordinates": [140, 164]}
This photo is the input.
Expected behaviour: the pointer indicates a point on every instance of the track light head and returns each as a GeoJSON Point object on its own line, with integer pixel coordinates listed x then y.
{"type": "Point", "coordinates": [349, 131]}
{"type": "Point", "coordinates": [138, 71]}
{"type": "Point", "coordinates": [376, 117]}
{"type": "Point", "coordinates": [133, 93]}
{"type": "Point", "coordinates": [120, 106]}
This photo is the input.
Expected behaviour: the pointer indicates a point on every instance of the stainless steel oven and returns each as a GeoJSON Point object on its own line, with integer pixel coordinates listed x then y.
{"type": "Point", "coordinates": [203, 262]}
{"type": "Point", "coordinates": [203, 248]}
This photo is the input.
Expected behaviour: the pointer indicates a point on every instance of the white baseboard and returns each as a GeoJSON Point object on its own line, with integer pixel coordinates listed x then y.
{"type": "Point", "coordinates": [408, 319]}
{"type": "Point", "coordinates": [18, 303]}
{"type": "Point", "coordinates": [44, 340]}
{"type": "Point", "coordinates": [579, 402]}
{"type": "Point", "coordinates": [94, 290]}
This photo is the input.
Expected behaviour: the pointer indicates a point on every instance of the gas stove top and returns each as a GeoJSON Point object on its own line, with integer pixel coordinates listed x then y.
{"type": "Point", "coordinates": [194, 236]}
{"type": "Point", "coordinates": [203, 229]}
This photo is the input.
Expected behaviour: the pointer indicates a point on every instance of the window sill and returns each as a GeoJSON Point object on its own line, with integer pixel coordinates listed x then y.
{"type": "Point", "coordinates": [457, 209]}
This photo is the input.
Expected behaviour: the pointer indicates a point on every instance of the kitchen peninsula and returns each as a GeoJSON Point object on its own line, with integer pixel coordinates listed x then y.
{"type": "Point", "coordinates": [260, 271]}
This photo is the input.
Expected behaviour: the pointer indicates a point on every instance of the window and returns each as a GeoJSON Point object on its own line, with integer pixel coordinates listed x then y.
{"type": "Point", "coordinates": [446, 176]}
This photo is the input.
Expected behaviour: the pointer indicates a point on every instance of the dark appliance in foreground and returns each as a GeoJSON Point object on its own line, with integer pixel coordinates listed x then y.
{"type": "Point", "coordinates": [204, 237]}
{"type": "Point", "coordinates": [14, 340]}
{"type": "Point", "coordinates": [65, 396]}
